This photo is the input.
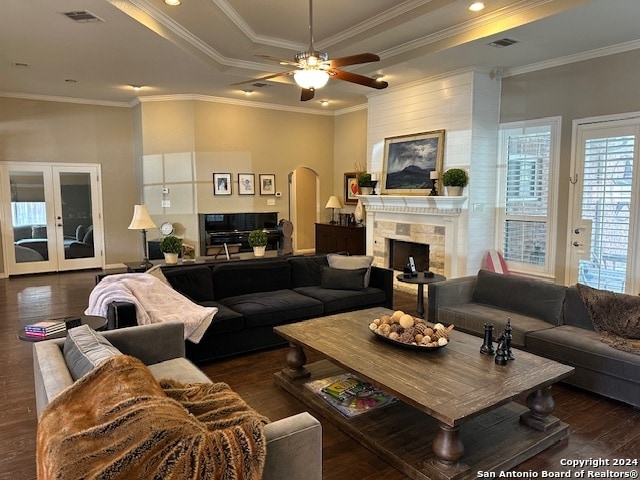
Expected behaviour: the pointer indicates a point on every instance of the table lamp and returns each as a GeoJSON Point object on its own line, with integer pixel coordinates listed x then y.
{"type": "Point", "coordinates": [142, 221]}
{"type": "Point", "coordinates": [333, 203]}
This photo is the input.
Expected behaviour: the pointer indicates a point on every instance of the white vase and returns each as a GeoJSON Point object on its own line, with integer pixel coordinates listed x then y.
{"type": "Point", "coordinates": [366, 190]}
{"type": "Point", "coordinates": [259, 251]}
{"type": "Point", "coordinates": [170, 258]}
{"type": "Point", "coordinates": [453, 191]}
{"type": "Point", "coordinates": [358, 214]}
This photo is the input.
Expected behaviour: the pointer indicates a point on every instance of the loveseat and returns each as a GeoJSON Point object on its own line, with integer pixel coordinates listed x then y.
{"type": "Point", "coordinates": [547, 319]}
{"type": "Point", "coordinates": [253, 296]}
{"type": "Point", "coordinates": [293, 444]}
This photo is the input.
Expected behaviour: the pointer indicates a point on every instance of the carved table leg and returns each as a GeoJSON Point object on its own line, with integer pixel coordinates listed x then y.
{"type": "Point", "coordinates": [296, 360]}
{"type": "Point", "coordinates": [541, 404]}
{"type": "Point", "coordinates": [447, 446]}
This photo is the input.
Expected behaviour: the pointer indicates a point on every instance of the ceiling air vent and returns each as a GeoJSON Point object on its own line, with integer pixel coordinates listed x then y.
{"type": "Point", "coordinates": [503, 42]}
{"type": "Point", "coordinates": [83, 16]}
{"type": "Point", "coordinates": [260, 85]}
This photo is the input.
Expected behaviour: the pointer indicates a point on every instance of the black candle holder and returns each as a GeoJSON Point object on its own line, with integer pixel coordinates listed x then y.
{"type": "Point", "coordinates": [434, 190]}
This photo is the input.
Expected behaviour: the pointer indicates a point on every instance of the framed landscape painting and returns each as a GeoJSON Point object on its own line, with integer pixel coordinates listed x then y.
{"type": "Point", "coordinates": [408, 163]}
{"type": "Point", "coordinates": [246, 184]}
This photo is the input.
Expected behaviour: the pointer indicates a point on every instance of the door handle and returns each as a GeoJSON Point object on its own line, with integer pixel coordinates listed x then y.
{"type": "Point", "coordinates": [578, 244]}
{"type": "Point", "coordinates": [59, 225]}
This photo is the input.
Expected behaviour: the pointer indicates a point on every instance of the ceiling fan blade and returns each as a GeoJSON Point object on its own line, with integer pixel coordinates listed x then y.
{"type": "Point", "coordinates": [267, 77]}
{"type": "Point", "coordinates": [359, 79]}
{"type": "Point", "coordinates": [307, 94]}
{"type": "Point", "coordinates": [353, 60]}
{"type": "Point", "coordinates": [279, 60]}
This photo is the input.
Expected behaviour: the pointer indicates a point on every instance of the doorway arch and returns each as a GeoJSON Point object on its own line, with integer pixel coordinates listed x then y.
{"type": "Point", "coordinates": [304, 208]}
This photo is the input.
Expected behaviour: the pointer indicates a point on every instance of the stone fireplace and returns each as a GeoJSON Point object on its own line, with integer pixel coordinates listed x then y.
{"type": "Point", "coordinates": [430, 221]}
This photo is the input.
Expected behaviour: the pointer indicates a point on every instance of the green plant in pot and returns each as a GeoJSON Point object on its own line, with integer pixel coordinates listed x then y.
{"type": "Point", "coordinates": [258, 241]}
{"type": "Point", "coordinates": [454, 180]}
{"type": "Point", "coordinates": [365, 184]}
{"type": "Point", "coordinates": [171, 246]}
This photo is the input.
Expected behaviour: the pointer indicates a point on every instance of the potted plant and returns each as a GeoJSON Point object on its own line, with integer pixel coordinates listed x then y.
{"type": "Point", "coordinates": [454, 180]}
{"type": "Point", "coordinates": [171, 247]}
{"type": "Point", "coordinates": [365, 184]}
{"type": "Point", "coordinates": [258, 241]}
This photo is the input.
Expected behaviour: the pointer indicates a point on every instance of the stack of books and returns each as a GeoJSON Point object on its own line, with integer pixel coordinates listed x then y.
{"type": "Point", "coordinates": [44, 329]}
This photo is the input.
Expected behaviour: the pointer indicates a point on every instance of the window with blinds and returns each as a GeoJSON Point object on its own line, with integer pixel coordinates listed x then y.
{"type": "Point", "coordinates": [528, 163]}
{"type": "Point", "coordinates": [606, 202]}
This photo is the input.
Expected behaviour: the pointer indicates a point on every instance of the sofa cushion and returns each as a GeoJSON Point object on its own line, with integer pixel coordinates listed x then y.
{"type": "Point", "coordinates": [194, 282]}
{"type": "Point", "coordinates": [342, 300]}
{"type": "Point", "coordinates": [246, 277]}
{"type": "Point", "coordinates": [225, 321]}
{"type": "Point", "coordinates": [307, 271]}
{"type": "Point", "coordinates": [180, 368]}
{"type": "Point", "coordinates": [581, 348]}
{"type": "Point", "coordinates": [84, 349]}
{"type": "Point", "coordinates": [351, 262]}
{"type": "Point", "coordinates": [574, 311]}
{"type": "Point", "coordinates": [156, 271]}
{"type": "Point", "coordinates": [339, 279]}
{"type": "Point", "coordinates": [471, 317]}
{"type": "Point", "coordinates": [273, 308]}
{"type": "Point", "coordinates": [533, 298]}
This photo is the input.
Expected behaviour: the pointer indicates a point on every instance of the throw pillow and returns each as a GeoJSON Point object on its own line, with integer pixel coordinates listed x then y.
{"type": "Point", "coordinates": [156, 271]}
{"type": "Point", "coordinates": [351, 262]}
{"type": "Point", "coordinates": [84, 349]}
{"type": "Point", "coordinates": [615, 315]}
{"type": "Point", "coordinates": [340, 279]}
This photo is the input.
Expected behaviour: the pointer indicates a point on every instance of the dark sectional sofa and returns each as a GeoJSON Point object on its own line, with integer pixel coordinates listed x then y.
{"type": "Point", "coordinates": [547, 319]}
{"type": "Point", "coordinates": [253, 296]}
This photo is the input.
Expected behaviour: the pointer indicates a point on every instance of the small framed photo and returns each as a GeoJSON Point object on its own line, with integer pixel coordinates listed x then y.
{"type": "Point", "coordinates": [222, 184]}
{"type": "Point", "coordinates": [267, 184]}
{"type": "Point", "coordinates": [351, 187]}
{"type": "Point", "coordinates": [246, 184]}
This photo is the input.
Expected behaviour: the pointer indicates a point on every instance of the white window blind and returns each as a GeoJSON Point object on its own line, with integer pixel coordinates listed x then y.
{"type": "Point", "coordinates": [528, 162]}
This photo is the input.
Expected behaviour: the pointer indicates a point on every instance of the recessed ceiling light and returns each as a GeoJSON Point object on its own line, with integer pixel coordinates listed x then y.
{"type": "Point", "coordinates": [248, 92]}
{"type": "Point", "coordinates": [173, 3]}
{"type": "Point", "coordinates": [71, 80]}
{"type": "Point", "coordinates": [476, 6]}
{"type": "Point", "coordinates": [324, 103]}
{"type": "Point", "coordinates": [137, 87]}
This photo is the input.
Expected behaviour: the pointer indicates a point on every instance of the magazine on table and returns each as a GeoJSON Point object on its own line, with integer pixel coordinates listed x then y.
{"type": "Point", "coordinates": [350, 395]}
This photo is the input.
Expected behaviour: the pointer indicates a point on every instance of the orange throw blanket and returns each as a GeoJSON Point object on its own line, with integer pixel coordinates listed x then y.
{"type": "Point", "coordinates": [117, 422]}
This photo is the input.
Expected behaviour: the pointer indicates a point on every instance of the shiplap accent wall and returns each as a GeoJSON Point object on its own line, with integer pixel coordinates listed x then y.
{"type": "Point", "coordinates": [466, 105]}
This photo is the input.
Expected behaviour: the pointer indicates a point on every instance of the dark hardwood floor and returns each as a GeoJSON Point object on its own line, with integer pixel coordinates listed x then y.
{"type": "Point", "coordinates": [600, 428]}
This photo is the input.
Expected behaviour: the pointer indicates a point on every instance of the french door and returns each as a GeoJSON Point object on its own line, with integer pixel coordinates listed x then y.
{"type": "Point", "coordinates": [52, 217]}
{"type": "Point", "coordinates": [604, 227]}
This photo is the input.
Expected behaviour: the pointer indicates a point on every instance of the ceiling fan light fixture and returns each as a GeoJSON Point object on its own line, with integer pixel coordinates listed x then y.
{"type": "Point", "coordinates": [311, 79]}
{"type": "Point", "coordinates": [172, 3]}
{"type": "Point", "coordinates": [476, 6]}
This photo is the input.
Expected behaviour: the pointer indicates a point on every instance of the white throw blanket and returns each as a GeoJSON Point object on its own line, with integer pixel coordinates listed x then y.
{"type": "Point", "coordinates": [155, 302]}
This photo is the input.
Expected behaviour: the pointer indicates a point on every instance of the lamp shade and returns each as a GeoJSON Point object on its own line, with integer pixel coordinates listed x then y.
{"type": "Point", "coordinates": [141, 219]}
{"type": "Point", "coordinates": [311, 78]}
{"type": "Point", "coordinates": [334, 202]}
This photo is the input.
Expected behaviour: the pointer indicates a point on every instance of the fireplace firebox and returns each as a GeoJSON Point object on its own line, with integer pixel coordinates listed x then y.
{"type": "Point", "coordinates": [400, 251]}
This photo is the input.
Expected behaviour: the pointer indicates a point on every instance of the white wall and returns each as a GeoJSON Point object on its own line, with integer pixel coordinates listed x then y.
{"type": "Point", "coordinates": [466, 106]}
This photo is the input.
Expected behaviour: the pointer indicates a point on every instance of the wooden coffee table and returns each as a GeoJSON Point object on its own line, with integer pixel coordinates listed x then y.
{"type": "Point", "coordinates": [456, 415]}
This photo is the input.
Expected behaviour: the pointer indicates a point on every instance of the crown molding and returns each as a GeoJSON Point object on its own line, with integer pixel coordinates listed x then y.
{"type": "Point", "coordinates": [53, 98]}
{"type": "Point", "coordinates": [232, 101]}
{"type": "Point", "coordinates": [355, 108]}
{"type": "Point", "coordinates": [578, 57]}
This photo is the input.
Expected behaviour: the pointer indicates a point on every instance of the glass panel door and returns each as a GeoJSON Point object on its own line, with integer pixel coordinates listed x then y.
{"type": "Point", "coordinates": [602, 230]}
{"type": "Point", "coordinates": [78, 225]}
{"type": "Point", "coordinates": [52, 214]}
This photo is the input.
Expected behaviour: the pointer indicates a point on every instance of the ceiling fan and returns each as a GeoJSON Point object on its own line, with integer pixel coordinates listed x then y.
{"type": "Point", "coordinates": [313, 68]}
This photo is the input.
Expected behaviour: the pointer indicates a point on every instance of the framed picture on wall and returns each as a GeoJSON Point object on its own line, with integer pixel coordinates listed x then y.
{"type": "Point", "coordinates": [408, 162]}
{"type": "Point", "coordinates": [351, 187]}
{"type": "Point", "coordinates": [267, 184]}
{"type": "Point", "coordinates": [246, 184]}
{"type": "Point", "coordinates": [222, 184]}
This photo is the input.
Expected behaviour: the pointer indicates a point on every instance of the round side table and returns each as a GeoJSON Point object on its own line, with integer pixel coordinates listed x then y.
{"type": "Point", "coordinates": [420, 280]}
{"type": "Point", "coordinates": [95, 322]}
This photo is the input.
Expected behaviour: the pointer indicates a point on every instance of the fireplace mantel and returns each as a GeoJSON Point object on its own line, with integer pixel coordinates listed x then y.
{"type": "Point", "coordinates": [417, 204]}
